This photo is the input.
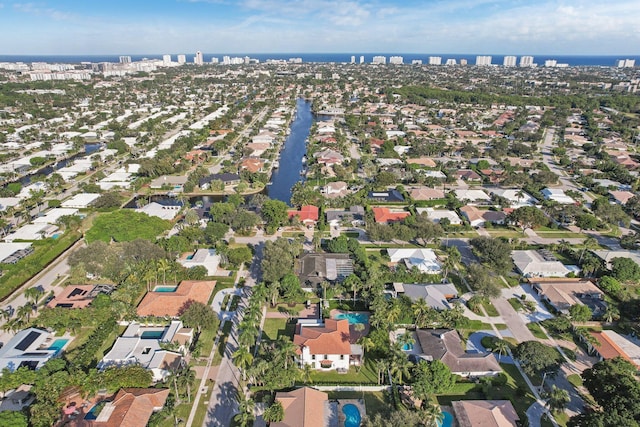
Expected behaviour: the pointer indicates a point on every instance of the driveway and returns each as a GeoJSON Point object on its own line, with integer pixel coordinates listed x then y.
{"type": "Point", "coordinates": [512, 319]}
{"type": "Point", "coordinates": [216, 305]}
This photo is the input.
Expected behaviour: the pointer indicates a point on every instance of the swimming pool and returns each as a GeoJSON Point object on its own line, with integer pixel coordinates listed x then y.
{"type": "Point", "coordinates": [353, 318]}
{"type": "Point", "coordinates": [352, 415]}
{"type": "Point", "coordinates": [152, 335]}
{"type": "Point", "coordinates": [407, 347]}
{"type": "Point", "coordinates": [447, 420]}
{"type": "Point", "coordinates": [95, 411]}
{"type": "Point", "coordinates": [58, 345]}
{"type": "Point", "coordinates": [165, 289]}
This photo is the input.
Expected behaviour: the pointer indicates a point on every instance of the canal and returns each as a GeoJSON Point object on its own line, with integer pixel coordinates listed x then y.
{"type": "Point", "coordinates": [295, 147]}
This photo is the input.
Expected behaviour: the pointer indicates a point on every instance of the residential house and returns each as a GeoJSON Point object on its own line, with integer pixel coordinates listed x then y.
{"type": "Point", "coordinates": [78, 296]}
{"type": "Point", "coordinates": [611, 344]}
{"type": "Point", "coordinates": [329, 157]}
{"type": "Point", "coordinates": [607, 255]}
{"type": "Point", "coordinates": [557, 195]}
{"type": "Point", "coordinates": [226, 178]}
{"type": "Point", "coordinates": [130, 407]}
{"type": "Point", "coordinates": [485, 413]}
{"type": "Point", "coordinates": [446, 345]}
{"type": "Point", "coordinates": [305, 407]}
{"type": "Point", "coordinates": [206, 258]}
{"type": "Point", "coordinates": [171, 182]}
{"type": "Point", "coordinates": [436, 295]}
{"type": "Point", "coordinates": [142, 345]}
{"type": "Point", "coordinates": [621, 197]}
{"type": "Point", "coordinates": [423, 259]}
{"type": "Point", "coordinates": [437, 215]}
{"type": "Point", "coordinates": [389, 196]}
{"type": "Point", "coordinates": [315, 268]}
{"type": "Point", "coordinates": [308, 215]}
{"type": "Point", "coordinates": [326, 345]}
{"type": "Point", "coordinates": [162, 210]}
{"type": "Point", "coordinates": [422, 161]}
{"type": "Point", "coordinates": [516, 198]}
{"type": "Point", "coordinates": [53, 215]}
{"type": "Point", "coordinates": [335, 189]}
{"type": "Point", "coordinates": [425, 193]}
{"type": "Point", "coordinates": [81, 201]}
{"type": "Point", "coordinates": [264, 137]}
{"type": "Point", "coordinates": [172, 304]}
{"type": "Point", "coordinates": [468, 175]}
{"type": "Point", "coordinates": [386, 215]}
{"type": "Point", "coordinates": [32, 232]}
{"type": "Point", "coordinates": [472, 196]}
{"type": "Point", "coordinates": [532, 263]}
{"type": "Point", "coordinates": [564, 293]}
{"type": "Point", "coordinates": [30, 348]}
{"type": "Point", "coordinates": [478, 218]}
{"type": "Point", "coordinates": [252, 164]}
{"type": "Point", "coordinates": [11, 253]}
{"type": "Point", "coordinates": [258, 148]}
{"type": "Point", "coordinates": [354, 216]}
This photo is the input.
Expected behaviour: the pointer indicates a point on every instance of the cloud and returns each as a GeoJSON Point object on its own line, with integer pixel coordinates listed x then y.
{"type": "Point", "coordinates": [35, 9]}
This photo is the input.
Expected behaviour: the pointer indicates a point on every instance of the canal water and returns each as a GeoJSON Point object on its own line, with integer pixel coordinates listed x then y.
{"type": "Point", "coordinates": [295, 147]}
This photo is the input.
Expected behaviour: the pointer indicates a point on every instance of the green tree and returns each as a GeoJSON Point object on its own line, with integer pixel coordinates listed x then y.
{"type": "Point", "coordinates": [580, 313]}
{"type": "Point", "coordinates": [274, 413]}
{"type": "Point", "coordinates": [243, 358]}
{"type": "Point", "coordinates": [239, 255]}
{"type": "Point", "coordinates": [200, 316]}
{"type": "Point", "coordinates": [537, 358]}
{"type": "Point", "coordinates": [557, 399]}
{"type": "Point", "coordinates": [625, 270]}
{"type": "Point", "coordinates": [13, 419]}
{"type": "Point", "coordinates": [274, 213]}
{"type": "Point", "coordinates": [431, 378]}
{"type": "Point", "coordinates": [126, 225]}
{"type": "Point", "coordinates": [528, 217]}
{"type": "Point", "coordinates": [496, 253]}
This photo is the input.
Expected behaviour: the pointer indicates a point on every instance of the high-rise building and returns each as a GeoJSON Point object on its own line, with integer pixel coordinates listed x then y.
{"type": "Point", "coordinates": [379, 60]}
{"type": "Point", "coordinates": [416, 62]}
{"type": "Point", "coordinates": [182, 59]}
{"type": "Point", "coordinates": [166, 59]}
{"type": "Point", "coordinates": [526, 61]}
{"type": "Point", "coordinates": [463, 61]}
{"type": "Point", "coordinates": [483, 60]}
{"type": "Point", "coordinates": [626, 63]}
{"type": "Point", "coordinates": [215, 60]}
{"type": "Point", "coordinates": [550, 63]}
{"type": "Point", "coordinates": [198, 59]}
{"type": "Point", "coordinates": [125, 59]}
{"type": "Point", "coordinates": [509, 61]}
{"type": "Point", "coordinates": [451, 61]}
{"type": "Point", "coordinates": [396, 60]}
{"type": "Point", "coordinates": [362, 59]}
{"type": "Point", "coordinates": [435, 60]}
{"type": "Point", "coordinates": [353, 59]}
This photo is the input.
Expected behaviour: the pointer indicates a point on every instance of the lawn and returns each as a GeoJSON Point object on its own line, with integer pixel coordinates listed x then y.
{"type": "Point", "coordinates": [516, 304]}
{"type": "Point", "coordinates": [375, 402]}
{"type": "Point", "coordinates": [275, 328]}
{"type": "Point", "coordinates": [501, 232]}
{"type": "Point", "coordinates": [557, 234]}
{"type": "Point", "coordinates": [537, 331]}
{"type": "Point", "coordinates": [490, 309]}
{"type": "Point", "coordinates": [366, 375]}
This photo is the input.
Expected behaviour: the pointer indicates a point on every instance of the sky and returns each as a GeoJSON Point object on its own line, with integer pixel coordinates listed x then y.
{"type": "Point", "coordinates": [117, 27]}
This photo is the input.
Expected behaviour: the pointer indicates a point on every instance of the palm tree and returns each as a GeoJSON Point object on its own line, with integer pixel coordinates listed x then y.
{"type": "Point", "coordinates": [163, 266]}
{"type": "Point", "coordinates": [381, 367]}
{"type": "Point", "coordinates": [588, 244]}
{"type": "Point", "coordinates": [275, 413]}
{"type": "Point", "coordinates": [406, 339]}
{"type": "Point", "coordinates": [501, 347]}
{"type": "Point", "coordinates": [186, 378]}
{"type": "Point", "coordinates": [25, 311]}
{"type": "Point", "coordinates": [367, 344]}
{"type": "Point", "coordinates": [400, 368]}
{"type": "Point", "coordinates": [243, 359]}
{"type": "Point", "coordinates": [393, 313]}
{"type": "Point", "coordinates": [611, 313]}
{"type": "Point", "coordinates": [33, 294]}
{"type": "Point", "coordinates": [558, 399]}
{"type": "Point", "coordinates": [307, 370]}
{"type": "Point", "coordinates": [432, 414]}
{"type": "Point", "coordinates": [246, 407]}
{"type": "Point", "coordinates": [285, 350]}
{"type": "Point", "coordinates": [422, 312]}
{"type": "Point", "coordinates": [564, 246]}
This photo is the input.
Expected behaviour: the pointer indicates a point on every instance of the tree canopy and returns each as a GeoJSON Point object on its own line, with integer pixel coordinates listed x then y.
{"type": "Point", "coordinates": [126, 225]}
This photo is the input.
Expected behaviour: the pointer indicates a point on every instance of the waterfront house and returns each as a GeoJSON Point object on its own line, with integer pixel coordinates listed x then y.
{"type": "Point", "coordinates": [308, 215]}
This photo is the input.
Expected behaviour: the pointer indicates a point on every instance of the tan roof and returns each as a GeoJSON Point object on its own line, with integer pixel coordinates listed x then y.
{"type": "Point", "coordinates": [332, 338]}
{"type": "Point", "coordinates": [303, 407]}
{"type": "Point", "coordinates": [174, 303]}
{"type": "Point", "coordinates": [563, 292]}
{"type": "Point", "coordinates": [74, 296]}
{"type": "Point", "coordinates": [424, 161]}
{"type": "Point", "coordinates": [485, 413]}
{"type": "Point", "coordinates": [425, 193]}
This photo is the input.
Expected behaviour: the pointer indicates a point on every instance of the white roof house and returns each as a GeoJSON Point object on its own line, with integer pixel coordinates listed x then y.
{"type": "Point", "coordinates": [436, 215]}
{"type": "Point", "coordinates": [436, 295]}
{"type": "Point", "coordinates": [32, 232]}
{"type": "Point", "coordinates": [81, 201]}
{"type": "Point", "coordinates": [203, 257]}
{"type": "Point", "coordinates": [472, 195]}
{"type": "Point", "coordinates": [7, 202]}
{"type": "Point", "coordinates": [161, 211]}
{"type": "Point", "coordinates": [557, 195]}
{"type": "Point", "coordinates": [534, 264]}
{"type": "Point", "coordinates": [8, 249]}
{"type": "Point", "coordinates": [53, 215]}
{"type": "Point", "coordinates": [424, 259]}
{"type": "Point", "coordinates": [30, 348]}
{"type": "Point", "coordinates": [607, 255]}
{"type": "Point", "coordinates": [517, 198]}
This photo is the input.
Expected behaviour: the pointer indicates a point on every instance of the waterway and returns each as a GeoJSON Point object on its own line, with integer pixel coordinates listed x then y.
{"type": "Point", "coordinates": [295, 148]}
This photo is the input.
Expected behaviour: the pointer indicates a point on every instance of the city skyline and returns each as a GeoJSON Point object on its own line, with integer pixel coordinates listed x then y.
{"type": "Point", "coordinates": [65, 27]}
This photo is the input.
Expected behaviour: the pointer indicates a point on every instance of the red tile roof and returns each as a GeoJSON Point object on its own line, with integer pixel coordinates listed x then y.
{"type": "Point", "coordinates": [174, 303]}
{"type": "Point", "coordinates": [306, 213]}
{"type": "Point", "coordinates": [332, 338]}
{"type": "Point", "coordinates": [384, 215]}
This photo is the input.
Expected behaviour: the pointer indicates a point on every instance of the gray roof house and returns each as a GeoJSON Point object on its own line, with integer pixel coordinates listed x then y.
{"type": "Point", "coordinates": [314, 268]}
{"type": "Point", "coordinates": [355, 214]}
{"type": "Point", "coordinates": [437, 295]}
{"type": "Point", "coordinates": [445, 345]}
{"type": "Point", "coordinates": [538, 264]}
{"type": "Point", "coordinates": [30, 347]}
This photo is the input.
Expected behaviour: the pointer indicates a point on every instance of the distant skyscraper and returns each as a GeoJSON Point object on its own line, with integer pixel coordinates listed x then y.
{"type": "Point", "coordinates": [396, 60]}
{"type": "Point", "coordinates": [379, 60]}
{"type": "Point", "coordinates": [463, 61]}
{"type": "Point", "coordinates": [215, 60]}
{"type": "Point", "coordinates": [509, 61]}
{"type": "Point", "coordinates": [451, 61]}
{"type": "Point", "coordinates": [246, 60]}
{"type": "Point", "coordinates": [353, 59]}
{"type": "Point", "coordinates": [166, 59]}
{"type": "Point", "coordinates": [125, 59]}
{"type": "Point", "coordinates": [198, 59]}
{"type": "Point", "coordinates": [483, 60]}
{"type": "Point", "coordinates": [362, 59]}
{"type": "Point", "coordinates": [182, 59]}
{"type": "Point", "coordinates": [526, 61]}
{"type": "Point", "coordinates": [416, 61]}
{"type": "Point", "coordinates": [626, 63]}
{"type": "Point", "coordinates": [435, 60]}
{"type": "Point", "coordinates": [550, 63]}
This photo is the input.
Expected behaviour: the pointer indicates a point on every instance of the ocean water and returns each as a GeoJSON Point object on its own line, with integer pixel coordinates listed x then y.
{"type": "Point", "coordinates": [572, 60]}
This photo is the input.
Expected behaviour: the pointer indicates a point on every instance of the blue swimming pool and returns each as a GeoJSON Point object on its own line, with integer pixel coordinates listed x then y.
{"type": "Point", "coordinates": [447, 420]}
{"type": "Point", "coordinates": [407, 347]}
{"type": "Point", "coordinates": [58, 345]}
{"type": "Point", "coordinates": [353, 318]}
{"type": "Point", "coordinates": [95, 411]}
{"type": "Point", "coordinates": [165, 289]}
{"type": "Point", "coordinates": [352, 415]}
{"type": "Point", "coordinates": [152, 335]}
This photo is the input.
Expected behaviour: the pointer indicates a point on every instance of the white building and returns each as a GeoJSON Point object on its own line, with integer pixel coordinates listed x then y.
{"type": "Point", "coordinates": [362, 59]}
{"type": "Point", "coordinates": [166, 59]}
{"type": "Point", "coordinates": [526, 61]}
{"type": "Point", "coordinates": [326, 345]}
{"type": "Point", "coordinates": [161, 211]}
{"type": "Point", "coordinates": [535, 264]}
{"type": "Point", "coordinates": [424, 259]}
{"type": "Point", "coordinates": [435, 60]}
{"type": "Point", "coordinates": [451, 61]}
{"type": "Point", "coordinates": [53, 215]}
{"type": "Point", "coordinates": [516, 198]}
{"type": "Point", "coordinates": [198, 59]}
{"type": "Point", "coordinates": [353, 59]}
{"type": "Point", "coordinates": [397, 60]}
{"type": "Point", "coordinates": [379, 60]}
{"type": "Point", "coordinates": [436, 215]}
{"type": "Point", "coordinates": [182, 59]}
{"type": "Point", "coordinates": [30, 348]}
{"type": "Point", "coordinates": [626, 63]}
{"type": "Point", "coordinates": [206, 258]}
{"type": "Point", "coordinates": [509, 61]}
{"type": "Point", "coordinates": [125, 59]}
{"type": "Point", "coordinates": [483, 60]}
{"type": "Point", "coordinates": [557, 195]}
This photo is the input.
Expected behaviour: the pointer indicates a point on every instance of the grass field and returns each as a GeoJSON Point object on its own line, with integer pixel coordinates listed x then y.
{"type": "Point", "coordinates": [366, 375]}
{"type": "Point", "coordinates": [537, 331]}
{"type": "Point", "coordinates": [375, 402]}
{"type": "Point", "coordinates": [275, 328]}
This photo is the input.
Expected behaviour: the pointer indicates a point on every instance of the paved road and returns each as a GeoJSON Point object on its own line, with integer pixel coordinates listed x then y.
{"type": "Point", "coordinates": [512, 319]}
{"type": "Point", "coordinates": [467, 256]}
